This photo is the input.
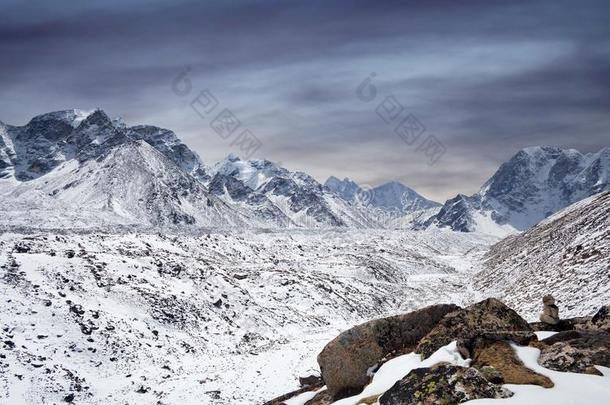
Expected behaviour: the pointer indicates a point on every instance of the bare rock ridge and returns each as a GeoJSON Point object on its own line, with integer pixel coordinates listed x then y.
{"type": "Point", "coordinates": [484, 332]}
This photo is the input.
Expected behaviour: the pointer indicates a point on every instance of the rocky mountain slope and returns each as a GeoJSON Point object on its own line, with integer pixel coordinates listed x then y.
{"type": "Point", "coordinates": [532, 185]}
{"type": "Point", "coordinates": [567, 255]}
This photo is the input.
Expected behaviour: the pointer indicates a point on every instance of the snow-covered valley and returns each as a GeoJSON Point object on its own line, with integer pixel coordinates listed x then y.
{"type": "Point", "coordinates": [211, 318]}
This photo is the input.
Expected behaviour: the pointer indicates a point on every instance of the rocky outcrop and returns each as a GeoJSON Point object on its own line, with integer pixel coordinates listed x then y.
{"type": "Point", "coordinates": [501, 357]}
{"type": "Point", "coordinates": [483, 332]}
{"type": "Point", "coordinates": [346, 361]}
{"type": "Point", "coordinates": [576, 351]}
{"type": "Point", "coordinates": [442, 384]}
{"type": "Point", "coordinates": [489, 319]}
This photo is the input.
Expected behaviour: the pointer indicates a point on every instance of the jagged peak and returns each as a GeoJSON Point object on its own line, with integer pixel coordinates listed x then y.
{"type": "Point", "coordinates": [72, 116]}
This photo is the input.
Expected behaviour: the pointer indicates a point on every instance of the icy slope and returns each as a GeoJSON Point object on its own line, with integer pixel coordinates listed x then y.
{"type": "Point", "coordinates": [567, 255]}
{"type": "Point", "coordinates": [209, 319]}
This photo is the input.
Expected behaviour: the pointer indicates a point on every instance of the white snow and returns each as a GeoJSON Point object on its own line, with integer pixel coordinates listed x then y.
{"type": "Point", "coordinates": [541, 335]}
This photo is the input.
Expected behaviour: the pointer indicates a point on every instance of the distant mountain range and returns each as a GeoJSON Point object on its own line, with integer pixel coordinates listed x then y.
{"type": "Point", "coordinates": [82, 169]}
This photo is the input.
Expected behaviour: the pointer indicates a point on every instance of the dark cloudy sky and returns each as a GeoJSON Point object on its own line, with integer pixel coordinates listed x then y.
{"type": "Point", "coordinates": [486, 78]}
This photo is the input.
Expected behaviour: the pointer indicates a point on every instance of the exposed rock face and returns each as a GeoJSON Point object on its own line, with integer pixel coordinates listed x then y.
{"type": "Point", "coordinates": [442, 384]}
{"type": "Point", "coordinates": [489, 318]}
{"type": "Point", "coordinates": [550, 311]}
{"type": "Point", "coordinates": [503, 359]}
{"type": "Point", "coordinates": [568, 255]}
{"type": "Point", "coordinates": [576, 351]}
{"type": "Point", "coordinates": [345, 361]}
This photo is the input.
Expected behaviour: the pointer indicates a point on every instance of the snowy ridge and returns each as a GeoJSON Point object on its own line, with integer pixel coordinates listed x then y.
{"type": "Point", "coordinates": [75, 168]}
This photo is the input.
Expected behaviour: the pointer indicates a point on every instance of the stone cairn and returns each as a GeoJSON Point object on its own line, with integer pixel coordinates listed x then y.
{"type": "Point", "coordinates": [550, 311]}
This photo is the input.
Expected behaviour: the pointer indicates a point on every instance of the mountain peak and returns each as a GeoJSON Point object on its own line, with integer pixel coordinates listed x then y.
{"type": "Point", "coordinates": [535, 183]}
{"type": "Point", "coordinates": [72, 117]}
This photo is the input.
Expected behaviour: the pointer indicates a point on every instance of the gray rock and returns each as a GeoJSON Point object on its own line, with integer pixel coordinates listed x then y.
{"type": "Point", "coordinates": [576, 351]}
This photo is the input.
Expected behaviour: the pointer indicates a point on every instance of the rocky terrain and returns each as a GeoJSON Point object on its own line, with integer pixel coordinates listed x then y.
{"type": "Point", "coordinates": [132, 272]}
{"type": "Point", "coordinates": [443, 354]}
{"type": "Point", "coordinates": [567, 254]}
{"type": "Point", "coordinates": [209, 318]}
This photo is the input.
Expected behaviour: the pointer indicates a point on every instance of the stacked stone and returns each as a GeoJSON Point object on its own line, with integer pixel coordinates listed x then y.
{"type": "Point", "coordinates": [550, 311]}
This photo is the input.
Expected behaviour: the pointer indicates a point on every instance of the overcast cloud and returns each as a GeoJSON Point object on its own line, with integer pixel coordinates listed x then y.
{"type": "Point", "coordinates": [486, 78]}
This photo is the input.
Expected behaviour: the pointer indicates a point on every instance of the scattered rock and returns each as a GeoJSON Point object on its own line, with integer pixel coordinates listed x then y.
{"type": "Point", "coordinates": [442, 384]}
{"type": "Point", "coordinates": [492, 375]}
{"type": "Point", "coordinates": [21, 247]}
{"type": "Point", "coordinates": [69, 398]}
{"type": "Point", "coordinates": [576, 351]}
{"type": "Point", "coordinates": [345, 361]}
{"type": "Point", "coordinates": [490, 319]}
{"type": "Point", "coordinates": [550, 311]}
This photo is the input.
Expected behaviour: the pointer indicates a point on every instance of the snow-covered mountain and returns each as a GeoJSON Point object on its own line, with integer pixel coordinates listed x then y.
{"type": "Point", "coordinates": [532, 185]}
{"type": "Point", "coordinates": [391, 196]}
{"type": "Point", "coordinates": [280, 196]}
{"type": "Point", "coordinates": [566, 255]}
{"type": "Point", "coordinates": [83, 169]}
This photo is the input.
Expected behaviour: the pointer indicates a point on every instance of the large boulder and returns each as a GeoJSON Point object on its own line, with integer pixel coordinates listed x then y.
{"type": "Point", "coordinates": [489, 319]}
{"type": "Point", "coordinates": [442, 384]}
{"type": "Point", "coordinates": [576, 351]}
{"type": "Point", "coordinates": [346, 362]}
